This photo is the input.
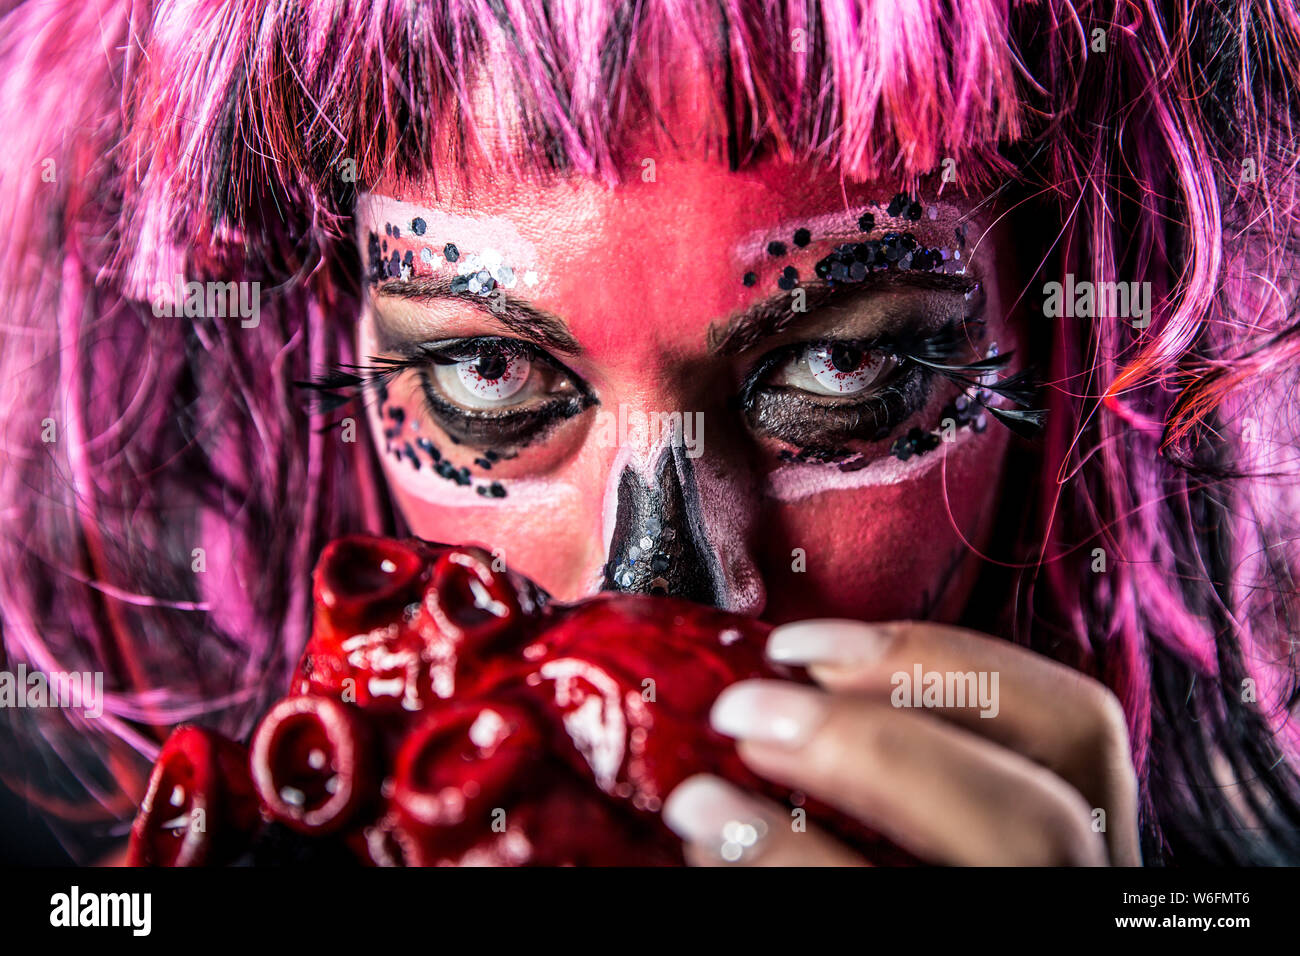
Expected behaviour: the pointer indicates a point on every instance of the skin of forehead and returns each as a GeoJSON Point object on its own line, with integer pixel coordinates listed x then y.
{"type": "Point", "coordinates": [684, 241]}
{"type": "Point", "coordinates": [765, 202]}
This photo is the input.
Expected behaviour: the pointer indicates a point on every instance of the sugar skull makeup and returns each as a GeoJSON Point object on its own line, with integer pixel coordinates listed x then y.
{"type": "Point", "coordinates": [842, 354]}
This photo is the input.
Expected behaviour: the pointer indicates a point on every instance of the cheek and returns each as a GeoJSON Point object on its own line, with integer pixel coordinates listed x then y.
{"type": "Point", "coordinates": [553, 539]}
{"type": "Point", "coordinates": [546, 527]}
{"type": "Point", "coordinates": [886, 552]}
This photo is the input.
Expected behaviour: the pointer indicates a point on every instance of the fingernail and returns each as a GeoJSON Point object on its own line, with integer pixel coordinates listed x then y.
{"type": "Point", "coordinates": [829, 642]}
{"type": "Point", "coordinates": [711, 813]}
{"type": "Point", "coordinates": [772, 711]}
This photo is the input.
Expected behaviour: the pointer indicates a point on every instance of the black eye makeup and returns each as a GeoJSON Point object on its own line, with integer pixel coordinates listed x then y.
{"type": "Point", "coordinates": [826, 393]}
{"type": "Point", "coordinates": [488, 391]}
{"type": "Point", "coordinates": [823, 395]}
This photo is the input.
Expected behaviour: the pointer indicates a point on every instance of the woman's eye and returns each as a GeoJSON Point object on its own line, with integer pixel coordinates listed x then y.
{"type": "Point", "coordinates": [492, 377]}
{"type": "Point", "coordinates": [836, 368]}
{"type": "Point", "coordinates": [495, 392]}
{"type": "Point", "coordinates": [488, 379]}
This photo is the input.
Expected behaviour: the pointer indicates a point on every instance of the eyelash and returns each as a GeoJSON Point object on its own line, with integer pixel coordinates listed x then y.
{"type": "Point", "coordinates": [487, 427]}
{"type": "Point", "coordinates": [824, 421]}
{"type": "Point", "coordinates": [805, 419]}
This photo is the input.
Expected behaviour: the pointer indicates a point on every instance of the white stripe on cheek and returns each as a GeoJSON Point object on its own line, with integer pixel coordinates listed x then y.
{"type": "Point", "coordinates": [794, 482]}
{"type": "Point", "coordinates": [430, 487]}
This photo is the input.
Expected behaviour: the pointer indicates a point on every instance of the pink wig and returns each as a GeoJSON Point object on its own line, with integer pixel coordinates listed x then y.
{"type": "Point", "coordinates": [213, 140]}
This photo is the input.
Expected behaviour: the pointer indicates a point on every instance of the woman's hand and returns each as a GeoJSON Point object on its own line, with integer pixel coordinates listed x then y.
{"type": "Point", "coordinates": [1021, 786]}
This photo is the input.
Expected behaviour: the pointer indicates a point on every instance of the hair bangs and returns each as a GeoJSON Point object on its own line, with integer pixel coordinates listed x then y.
{"type": "Point", "coordinates": [312, 99]}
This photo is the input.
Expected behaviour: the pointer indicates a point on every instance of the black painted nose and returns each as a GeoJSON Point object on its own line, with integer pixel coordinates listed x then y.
{"type": "Point", "coordinates": [659, 545]}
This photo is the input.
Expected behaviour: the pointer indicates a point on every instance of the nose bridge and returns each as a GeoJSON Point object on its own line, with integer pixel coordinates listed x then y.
{"type": "Point", "coordinates": [659, 544]}
{"type": "Point", "coordinates": [678, 519]}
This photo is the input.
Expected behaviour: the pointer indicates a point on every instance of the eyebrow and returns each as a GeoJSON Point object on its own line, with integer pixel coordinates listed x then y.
{"type": "Point", "coordinates": [516, 316]}
{"type": "Point", "coordinates": [769, 317]}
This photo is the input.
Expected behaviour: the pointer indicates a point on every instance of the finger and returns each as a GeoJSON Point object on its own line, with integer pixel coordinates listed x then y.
{"type": "Point", "coordinates": [722, 825]}
{"type": "Point", "coordinates": [934, 788]}
{"type": "Point", "coordinates": [1038, 707]}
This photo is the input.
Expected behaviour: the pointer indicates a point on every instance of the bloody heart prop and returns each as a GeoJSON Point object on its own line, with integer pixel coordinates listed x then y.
{"type": "Point", "coordinates": [446, 711]}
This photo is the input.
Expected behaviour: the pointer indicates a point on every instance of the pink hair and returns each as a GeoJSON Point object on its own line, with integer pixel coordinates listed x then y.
{"type": "Point", "coordinates": [209, 139]}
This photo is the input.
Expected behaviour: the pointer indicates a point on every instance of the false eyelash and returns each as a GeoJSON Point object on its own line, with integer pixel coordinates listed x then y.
{"type": "Point", "coordinates": [937, 346]}
{"type": "Point", "coordinates": [342, 384]}
{"type": "Point", "coordinates": [937, 352]}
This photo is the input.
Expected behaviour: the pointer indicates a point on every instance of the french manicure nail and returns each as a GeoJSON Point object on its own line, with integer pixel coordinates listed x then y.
{"type": "Point", "coordinates": [829, 642]}
{"type": "Point", "coordinates": [709, 812]}
{"type": "Point", "coordinates": [771, 711]}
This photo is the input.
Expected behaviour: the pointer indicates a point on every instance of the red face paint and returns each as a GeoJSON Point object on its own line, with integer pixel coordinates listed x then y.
{"type": "Point", "coordinates": [627, 334]}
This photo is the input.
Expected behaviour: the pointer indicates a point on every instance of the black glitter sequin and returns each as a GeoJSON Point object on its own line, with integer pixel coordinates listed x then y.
{"type": "Point", "coordinates": [775, 248]}
{"type": "Point", "coordinates": [429, 448]}
{"type": "Point", "coordinates": [749, 279]}
{"type": "Point", "coordinates": [961, 411]}
{"type": "Point", "coordinates": [418, 226]}
{"type": "Point", "coordinates": [915, 442]}
{"type": "Point", "coordinates": [867, 221]}
{"type": "Point", "coordinates": [821, 456]}
{"type": "Point", "coordinates": [460, 284]}
{"type": "Point", "coordinates": [648, 555]}
{"type": "Point", "coordinates": [852, 262]}
{"type": "Point", "coordinates": [450, 252]}
{"type": "Point", "coordinates": [802, 237]}
{"type": "Point", "coordinates": [376, 258]}
{"type": "Point", "coordinates": [898, 204]}
{"type": "Point", "coordinates": [498, 490]}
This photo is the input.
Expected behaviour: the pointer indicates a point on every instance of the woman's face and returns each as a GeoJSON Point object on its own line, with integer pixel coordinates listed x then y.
{"type": "Point", "coordinates": [649, 387]}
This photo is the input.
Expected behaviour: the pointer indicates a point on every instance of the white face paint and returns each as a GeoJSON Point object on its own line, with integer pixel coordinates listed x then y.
{"type": "Point", "coordinates": [796, 481]}
{"type": "Point", "coordinates": [844, 224]}
{"type": "Point", "coordinates": [483, 244]}
{"type": "Point", "coordinates": [428, 486]}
